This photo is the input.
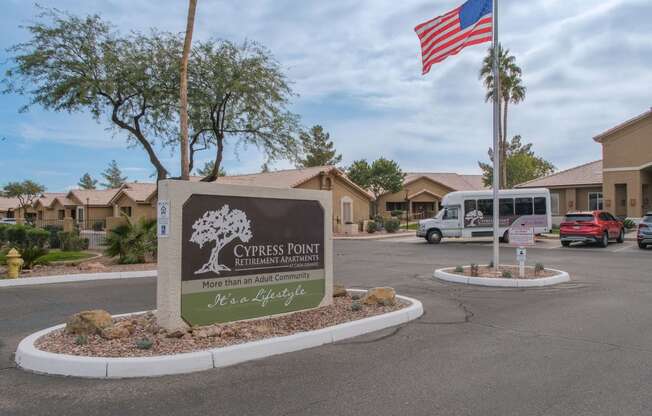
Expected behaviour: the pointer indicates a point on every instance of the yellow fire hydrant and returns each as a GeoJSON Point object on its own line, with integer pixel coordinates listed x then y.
{"type": "Point", "coordinates": [14, 264]}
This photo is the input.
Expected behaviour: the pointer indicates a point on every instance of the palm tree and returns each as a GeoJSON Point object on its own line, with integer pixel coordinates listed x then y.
{"type": "Point", "coordinates": [183, 91]}
{"type": "Point", "coordinates": [512, 91]}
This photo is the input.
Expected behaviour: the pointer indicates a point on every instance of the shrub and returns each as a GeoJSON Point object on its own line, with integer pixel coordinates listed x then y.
{"type": "Point", "coordinates": [629, 224]}
{"type": "Point", "coordinates": [356, 306]}
{"type": "Point", "coordinates": [392, 225]}
{"type": "Point", "coordinates": [491, 264]}
{"type": "Point", "coordinates": [507, 274]}
{"type": "Point", "coordinates": [396, 213]}
{"type": "Point", "coordinates": [475, 270]}
{"type": "Point", "coordinates": [81, 340]}
{"type": "Point", "coordinates": [71, 241]}
{"type": "Point", "coordinates": [459, 269]}
{"type": "Point", "coordinates": [31, 254]}
{"type": "Point", "coordinates": [144, 344]}
{"type": "Point", "coordinates": [372, 227]}
{"type": "Point", "coordinates": [3, 230]}
{"type": "Point", "coordinates": [538, 268]}
{"type": "Point", "coordinates": [16, 235]}
{"type": "Point", "coordinates": [37, 237]}
{"type": "Point", "coordinates": [54, 241]}
{"type": "Point", "coordinates": [132, 242]}
{"type": "Point", "coordinates": [380, 221]}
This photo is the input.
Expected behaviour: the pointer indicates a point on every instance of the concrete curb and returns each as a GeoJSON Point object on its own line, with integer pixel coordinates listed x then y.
{"type": "Point", "coordinates": [560, 277]}
{"type": "Point", "coordinates": [81, 277]}
{"type": "Point", "coordinates": [361, 236]}
{"type": "Point", "coordinates": [30, 358]}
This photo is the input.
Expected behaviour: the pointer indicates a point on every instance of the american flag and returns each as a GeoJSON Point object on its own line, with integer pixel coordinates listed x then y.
{"type": "Point", "coordinates": [449, 33]}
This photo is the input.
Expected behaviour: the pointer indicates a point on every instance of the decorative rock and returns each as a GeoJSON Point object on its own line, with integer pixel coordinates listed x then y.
{"type": "Point", "coordinates": [152, 328]}
{"type": "Point", "coordinates": [339, 290]}
{"type": "Point", "coordinates": [207, 332]}
{"type": "Point", "coordinates": [122, 329]}
{"type": "Point", "coordinates": [93, 267]}
{"type": "Point", "coordinates": [89, 322]}
{"type": "Point", "coordinates": [178, 333]}
{"type": "Point", "coordinates": [380, 296]}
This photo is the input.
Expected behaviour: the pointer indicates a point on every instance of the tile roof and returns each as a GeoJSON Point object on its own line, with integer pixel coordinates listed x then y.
{"type": "Point", "coordinates": [586, 174]}
{"type": "Point", "coordinates": [8, 203]}
{"type": "Point", "coordinates": [453, 181]}
{"type": "Point", "coordinates": [139, 191]}
{"type": "Point", "coordinates": [289, 178]}
{"type": "Point", "coordinates": [48, 198]}
{"type": "Point", "coordinates": [100, 197]}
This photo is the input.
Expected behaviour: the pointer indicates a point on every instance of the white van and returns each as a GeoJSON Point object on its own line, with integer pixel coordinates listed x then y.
{"type": "Point", "coordinates": [470, 214]}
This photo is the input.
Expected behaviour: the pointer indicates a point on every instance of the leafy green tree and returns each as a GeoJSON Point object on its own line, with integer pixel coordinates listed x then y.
{"type": "Point", "coordinates": [239, 92]}
{"type": "Point", "coordinates": [512, 91]}
{"type": "Point", "coordinates": [318, 149]}
{"type": "Point", "coordinates": [208, 169]}
{"type": "Point", "coordinates": [80, 64]}
{"type": "Point", "coordinates": [27, 192]}
{"type": "Point", "coordinates": [521, 162]}
{"type": "Point", "coordinates": [87, 182]}
{"type": "Point", "coordinates": [113, 176]}
{"type": "Point", "coordinates": [382, 176]}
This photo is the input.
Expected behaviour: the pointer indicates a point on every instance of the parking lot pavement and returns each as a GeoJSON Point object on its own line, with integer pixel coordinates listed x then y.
{"type": "Point", "coordinates": [579, 348]}
{"type": "Point", "coordinates": [543, 244]}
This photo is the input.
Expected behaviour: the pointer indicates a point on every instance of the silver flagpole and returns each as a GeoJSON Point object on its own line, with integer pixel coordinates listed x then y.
{"type": "Point", "coordinates": [496, 179]}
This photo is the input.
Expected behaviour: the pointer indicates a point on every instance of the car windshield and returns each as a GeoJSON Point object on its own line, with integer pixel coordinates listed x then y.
{"type": "Point", "coordinates": [579, 218]}
{"type": "Point", "coordinates": [647, 218]}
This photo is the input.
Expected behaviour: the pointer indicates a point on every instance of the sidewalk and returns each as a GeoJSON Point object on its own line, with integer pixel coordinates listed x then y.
{"type": "Point", "coordinates": [375, 236]}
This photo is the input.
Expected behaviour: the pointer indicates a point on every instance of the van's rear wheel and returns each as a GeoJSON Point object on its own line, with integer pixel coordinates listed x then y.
{"type": "Point", "coordinates": [434, 237]}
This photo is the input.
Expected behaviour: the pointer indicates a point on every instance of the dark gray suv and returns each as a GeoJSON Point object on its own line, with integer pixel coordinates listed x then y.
{"type": "Point", "coordinates": [644, 235]}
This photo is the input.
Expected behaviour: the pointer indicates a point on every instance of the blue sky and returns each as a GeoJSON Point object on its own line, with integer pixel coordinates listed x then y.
{"type": "Point", "coordinates": [355, 65]}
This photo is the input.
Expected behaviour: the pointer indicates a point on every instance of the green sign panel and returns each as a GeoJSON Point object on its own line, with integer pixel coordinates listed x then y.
{"type": "Point", "coordinates": [247, 257]}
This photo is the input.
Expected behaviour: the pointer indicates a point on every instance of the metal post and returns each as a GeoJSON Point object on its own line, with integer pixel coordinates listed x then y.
{"type": "Point", "coordinates": [496, 120]}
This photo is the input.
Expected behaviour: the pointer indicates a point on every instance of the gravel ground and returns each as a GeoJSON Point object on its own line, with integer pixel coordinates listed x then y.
{"type": "Point", "coordinates": [202, 338]}
{"type": "Point", "coordinates": [82, 266]}
{"type": "Point", "coordinates": [485, 271]}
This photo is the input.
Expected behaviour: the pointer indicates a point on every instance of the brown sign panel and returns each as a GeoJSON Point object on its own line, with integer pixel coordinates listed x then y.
{"type": "Point", "coordinates": [245, 257]}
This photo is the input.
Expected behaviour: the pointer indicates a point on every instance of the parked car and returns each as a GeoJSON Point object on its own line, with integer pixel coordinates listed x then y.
{"type": "Point", "coordinates": [644, 234]}
{"type": "Point", "coordinates": [591, 227]}
{"type": "Point", "coordinates": [7, 220]}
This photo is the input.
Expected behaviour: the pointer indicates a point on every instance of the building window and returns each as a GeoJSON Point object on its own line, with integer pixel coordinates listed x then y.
{"type": "Point", "coordinates": [125, 211]}
{"type": "Point", "coordinates": [347, 210]}
{"type": "Point", "coordinates": [554, 203]}
{"type": "Point", "coordinates": [595, 201]}
{"type": "Point", "coordinates": [395, 206]}
{"type": "Point", "coordinates": [40, 215]}
{"type": "Point", "coordinates": [61, 214]}
{"type": "Point", "coordinates": [80, 214]}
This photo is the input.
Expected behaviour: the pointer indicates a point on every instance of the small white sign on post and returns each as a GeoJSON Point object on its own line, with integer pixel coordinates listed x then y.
{"type": "Point", "coordinates": [163, 218]}
{"type": "Point", "coordinates": [521, 256]}
{"type": "Point", "coordinates": [521, 235]}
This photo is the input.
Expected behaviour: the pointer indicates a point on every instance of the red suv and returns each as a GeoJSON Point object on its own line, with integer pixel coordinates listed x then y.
{"type": "Point", "coordinates": [591, 227]}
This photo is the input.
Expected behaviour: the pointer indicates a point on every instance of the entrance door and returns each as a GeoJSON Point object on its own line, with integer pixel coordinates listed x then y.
{"type": "Point", "coordinates": [424, 209]}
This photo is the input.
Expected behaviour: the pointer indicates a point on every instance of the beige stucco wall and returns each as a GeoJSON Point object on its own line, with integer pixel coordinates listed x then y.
{"type": "Point", "coordinates": [633, 199]}
{"type": "Point", "coordinates": [339, 190]}
{"type": "Point", "coordinates": [138, 210]}
{"type": "Point", "coordinates": [629, 147]}
{"type": "Point", "coordinates": [413, 188]}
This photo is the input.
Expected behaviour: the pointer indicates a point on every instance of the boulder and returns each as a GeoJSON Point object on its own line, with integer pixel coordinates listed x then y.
{"type": "Point", "coordinates": [206, 332]}
{"type": "Point", "coordinates": [93, 267]}
{"type": "Point", "coordinates": [89, 322]}
{"type": "Point", "coordinates": [339, 290]}
{"type": "Point", "coordinates": [122, 329]}
{"type": "Point", "coordinates": [380, 296]}
{"type": "Point", "coordinates": [177, 333]}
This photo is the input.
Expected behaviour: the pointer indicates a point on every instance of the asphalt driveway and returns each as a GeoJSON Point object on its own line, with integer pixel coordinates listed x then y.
{"type": "Point", "coordinates": [580, 348]}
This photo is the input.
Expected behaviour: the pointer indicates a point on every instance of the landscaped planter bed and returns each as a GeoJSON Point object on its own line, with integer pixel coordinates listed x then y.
{"type": "Point", "coordinates": [236, 342]}
{"type": "Point", "coordinates": [488, 277]}
{"type": "Point", "coordinates": [224, 335]}
{"type": "Point", "coordinates": [82, 267]}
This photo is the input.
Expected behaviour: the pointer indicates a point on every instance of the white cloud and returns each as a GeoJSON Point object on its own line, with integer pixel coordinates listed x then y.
{"type": "Point", "coordinates": [586, 66]}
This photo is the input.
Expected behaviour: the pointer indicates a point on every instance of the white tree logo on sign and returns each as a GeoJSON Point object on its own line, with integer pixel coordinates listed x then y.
{"type": "Point", "coordinates": [221, 226]}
